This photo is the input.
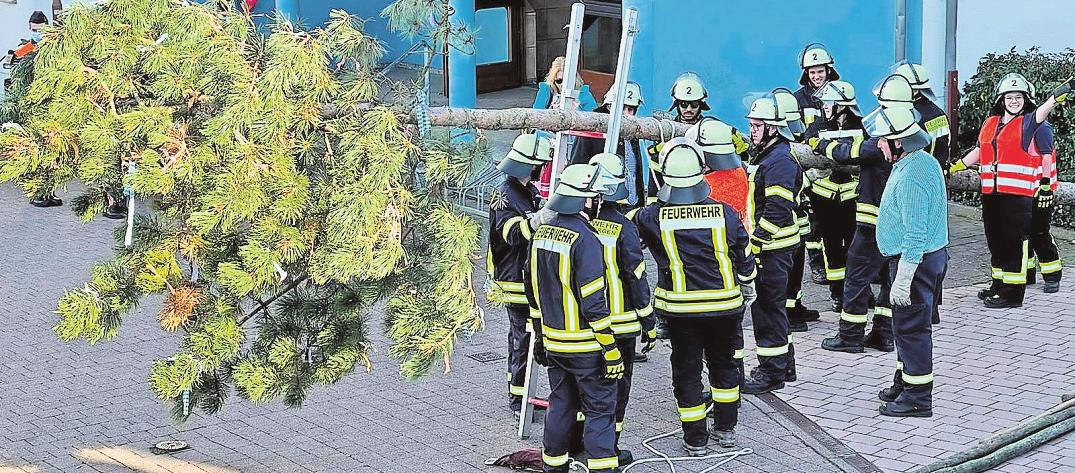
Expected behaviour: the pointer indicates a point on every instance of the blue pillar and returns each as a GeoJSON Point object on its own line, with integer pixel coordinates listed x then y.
{"type": "Point", "coordinates": [642, 61]}
{"type": "Point", "coordinates": [289, 9]}
{"type": "Point", "coordinates": [462, 67]}
{"type": "Point", "coordinates": [914, 31]}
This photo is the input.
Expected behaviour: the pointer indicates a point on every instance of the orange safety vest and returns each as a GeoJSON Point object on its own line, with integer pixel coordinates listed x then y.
{"type": "Point", "coordinates": [24, 49]}
{"type": "Point", "coordinates": [730, 186]}
{"type": "Point", "coordinates": [1007, 168]}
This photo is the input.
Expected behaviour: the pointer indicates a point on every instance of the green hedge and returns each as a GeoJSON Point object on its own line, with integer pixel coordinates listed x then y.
{"type": "Point", "coordinates": [1045, 71]}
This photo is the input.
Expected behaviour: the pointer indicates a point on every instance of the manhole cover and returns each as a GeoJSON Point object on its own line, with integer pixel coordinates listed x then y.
{"type": "Point", "coordinates": [169, 446]}
{"type": "Point", "coordinates": [486, 356]}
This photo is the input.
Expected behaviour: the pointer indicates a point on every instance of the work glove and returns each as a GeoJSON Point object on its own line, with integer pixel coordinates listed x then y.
{"type": "Point", "coordinates": [749, 293]}
{"type": "Point", "coordinates": [649, 339]}
{"type": "Point", "coordinates": [1060, 94]}
{"type": "Point", "coordinates": [613, 363]}
{"type": "Point", "coordinates": [541, 356]}
{"type": "Point", "coordinates": [1044, 196]}
{"type": "Point", "coordinates": [814, 143]}
{"type": "Point", "coordinates": [900, 294]}
{"type": "Point", "coordinates": [956, 166]}
{"type": "Point", "coordinates": [539, 218]}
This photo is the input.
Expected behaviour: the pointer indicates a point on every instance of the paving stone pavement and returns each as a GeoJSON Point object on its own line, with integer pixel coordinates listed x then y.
{"type": "Point", "coordinates": [73, 407]}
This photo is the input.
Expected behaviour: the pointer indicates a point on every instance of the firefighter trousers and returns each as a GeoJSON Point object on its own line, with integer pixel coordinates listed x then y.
{"type": "Point", "coordinates": [1042, 246]}
{"type": "Point", "coordinates": [864, 264]}
{"type": "Point", "coordinates": [518, 349]}
{"type": "Point", "coordinates": [1007, 219]}
{"type": "Point", "coordinates": [578, 384]}
{"type": "Point", "coordinates": [836, 221]}
{"type": "Point", "coordinates": [769, 313]}
{"type": "Point", "coordinates": [623, 394]}
{"type": "Point", "coordinates": [712, 339]}
{"type": "Point", "coordinates": [794, 303]}
{"type": "Point", "coordinates": [913, 330]}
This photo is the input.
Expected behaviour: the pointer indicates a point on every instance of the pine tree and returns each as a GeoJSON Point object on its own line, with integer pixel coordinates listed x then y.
{"type": "Point", "coordinates": [273, 229]}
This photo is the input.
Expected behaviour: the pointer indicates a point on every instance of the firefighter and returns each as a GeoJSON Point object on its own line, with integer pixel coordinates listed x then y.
{"type": "Point", "coordinates": [513, 215]}
{"type": "Point", "coordinates": [817, 66]}
{"type": "Point", "coordinates": [931, 117]}
{"type": "Point", "coordinates": [912, 231]}
{"type": "Point", "coordinates": [833, 197]}
{"type": "Point", "coordinates": [635, 165]}
{"type": "Point", "coordinates": [1043, 251]}
{"type": "Point", "coordinates": [1011, 177]}
{"type": "Point", "coordinates": [625, 275]}
{"type": "Point", "coordinates": [798, 314]}
{"type": "Point", "coordinates": [566, 287]}
{"type": "Point", "coordinates": [775, 234]}
{"type": "Point", "coordinates": [705, 281]}
{"type": "Point", "coordinates": [864, 260]}
{"type": "Point", "coordinates": [723, 146]}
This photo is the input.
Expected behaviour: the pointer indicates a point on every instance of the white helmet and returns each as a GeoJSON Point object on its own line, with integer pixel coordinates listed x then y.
{"type": "Point", "coordinates": [766, 109]}
{"type": "Point", "coordinates": [816, 54]}
{"type": "Point", "coordinates": [894, 91]}
{"type": "Point", "coordinates": [838, 92]}
{"type": "Point", "coordinates": [897, 123]}
{"type": "Point", "coordinates": [632, 95]}
{"type": "Point", "coordinates": [689, 88]}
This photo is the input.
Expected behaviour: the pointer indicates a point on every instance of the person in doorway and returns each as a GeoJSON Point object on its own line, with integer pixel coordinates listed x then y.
{"type": "Point", "coordinates": [567, 286]}
{"type": "Point", "coordinates": [513, 215]}
{"type": "Point", "coordinates": [775, 236]}
{"type": "Point", "coordinates": [1011, 178]}
{"type": "Point", "coordinates": [912, 232]}
{"type": "Point", "coordinates": [549, 96]}
{"type": "Point", "coordinates": [705, 281]}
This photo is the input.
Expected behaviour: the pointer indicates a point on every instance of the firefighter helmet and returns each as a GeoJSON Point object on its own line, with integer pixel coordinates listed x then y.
{"type": "Point", "coordinates": [714, 137]}
{"type": "Point", "coordinates": [577, 183]}
{"type": "Point", "coordinates": [788, 104]}
{"type": "Point", "coordinates": [1014, 82]}
{"type": "Point", "coordinates": [688, 87]}
{"type": "Point", "coordinates": [527, 151]}
{"type": "Point", "coordinates": [632, 95]}
{"type": "Point", "coordinates": [897, 124]}
{"type": "Point", "coordinates": [894, 91]}
{"type": "Point", "coordinates": [612, 175]}
{"type": "Point", "coordinates": [816, 54]}
{"type": "Point", "coordinates": [683, 167]}
{"type": "Point", "coordinates": [838, 92]}
{"type": "Point", "coordinates": [766, 109]}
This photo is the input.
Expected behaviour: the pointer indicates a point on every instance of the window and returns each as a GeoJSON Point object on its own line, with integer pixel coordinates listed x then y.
{"type": "Point", "coordinates": [493, 41]}
{"type": "Point", "coordinates": [601, 40]}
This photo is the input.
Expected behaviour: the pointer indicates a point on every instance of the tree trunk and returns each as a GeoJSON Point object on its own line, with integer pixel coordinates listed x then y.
{"type": "Point", "coordinates": [646, 128]}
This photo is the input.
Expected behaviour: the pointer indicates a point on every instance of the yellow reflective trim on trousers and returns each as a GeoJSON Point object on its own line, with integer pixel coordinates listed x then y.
{"type": "Point", "coordinates": [867, 208]}
{"type": "Point", "coordinates": [602, 463]}
{"type": "Point", "coordinates": [571, 347]}
{"type": "Point", "coordinates": [516, 390]}
{"type": "Point", "coordinates": [720, 252]}
{"type": "Point", "coordinates": [695, 307]}
{"type": "Point", "coordinates": [772, 351]}
{"type": "Point", "coordinates": [780, 191]}
{"type": "Point", "coordinates": [813, 245]}
{"type": "Point", "coordinates": [1031, 263]}
{"type": "Point", "coordinates": [1020, 277]}
{"type": "Point", "coordinates": [899, 365]}
{"type": "Point", "coordinates": [835, 274]}
{"type": "Point", "coordinates": [640, 270]}
{"type": "Point", "coordinates": [580, 417]}
{"type": "Point", "coordinates": [917, 379]}
{"type": "Point", "coordinates": [853, 318]}
{"type": "Point", "coordinates": [619, 427]}
{"type": "Point", "coordinates": [725, 395]}
{"type": "Point", "coordinates": [1051, 266]}
{"type": "Point", "coordinates": [592, 287]}
{"type": "Point", "coordinates": [882, 311]}
{"type": "Point", "coordinates": [789, 303]}
{"type": "Point", "coordinates": [661, 293]}
{"type": "Point", "coordinates": [996, 273]}
{"type": "Point", "coordinates": [557, 460]}
{"type": "Point", "coordinates": [692, 414]}
{"type": "Point", "coordinates": [866, 218]}
{"type": "Point", "coordinates": [739, 354]}
{"type": "Point", "coordinates": [675, 264]}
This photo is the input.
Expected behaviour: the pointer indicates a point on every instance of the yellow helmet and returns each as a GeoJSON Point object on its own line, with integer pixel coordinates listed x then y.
{"type": "Point", "coordinates": [894, 91]}
{"type": "Point", "coordinates": [688, 87]}
{"type": "Point", "coordinates": [611, 175]}
{"type": "Point", "coordinates": [683, 169]}
{"type": "Point", "coordinates": [897, 124]}
{"type": "Point", "coordinates": [632, 95]}
{"type": "Point", "coordinates": [527, 151]}
{"type": "Point", "coordinates": [577, 183]}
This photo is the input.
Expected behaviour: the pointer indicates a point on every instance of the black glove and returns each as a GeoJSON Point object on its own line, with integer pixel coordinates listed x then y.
{"type": "Point", "coordinates": [1061, 94]}
{"type": "Point", "coordinates": [1044, 196]}
{"type": "Point", "coordinates": [541, 356]}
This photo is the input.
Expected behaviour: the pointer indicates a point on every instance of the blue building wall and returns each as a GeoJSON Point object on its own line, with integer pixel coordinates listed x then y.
{"type": "Point", "coordinates": [753, 47]}
{"type": "Point", "coordinates": [314, 13]}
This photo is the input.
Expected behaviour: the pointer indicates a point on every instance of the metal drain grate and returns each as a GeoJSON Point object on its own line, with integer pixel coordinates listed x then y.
{"type": "Point", "coordinates": [486, 356]}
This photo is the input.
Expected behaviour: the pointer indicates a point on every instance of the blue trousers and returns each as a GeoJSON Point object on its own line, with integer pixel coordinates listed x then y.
{"type": "Point", "coordinates": [769, 313]}
{"type": "Point", "coordinates": [578, 383]}
{"type": "Point", "coordinates": [864, 263]}
{"type": "Point", "coordinates": [913, 330]}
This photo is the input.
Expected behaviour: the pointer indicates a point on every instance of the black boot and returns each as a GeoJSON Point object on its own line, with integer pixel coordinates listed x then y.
{"type": "Point", "coordinates": [790, 376]}
{"type": "Point", "coordinates": [800, 312]}
{"type": "Point", "coordinates": [997, 302]}
{"type": "Point", "coordinates": [1051, 287]}
{"type": "Point", "coordinates": [40, 202]}
{"type": "Point", "coordinates": [760, 382]}
{"type": "Point", "coordinates": [890, 394]}
{"type": "Point", "coordinates": [625, 458]}
{"type": "Point", "coordinates": [901, 409]}
{"type": "Point", "coordinates": [989, 291]}
{"type": "Point", "coordinates": [877, 342]}
{"type": "Point", "coordinates": [839, 344]}
{"type": "Point", "coordinates": [817, 275]}
{"type": "Point", "coordinates": [1031, 276]}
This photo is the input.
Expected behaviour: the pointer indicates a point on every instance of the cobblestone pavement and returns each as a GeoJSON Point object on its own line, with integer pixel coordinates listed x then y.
{"type": "Point", "coordinates": [73, 407]}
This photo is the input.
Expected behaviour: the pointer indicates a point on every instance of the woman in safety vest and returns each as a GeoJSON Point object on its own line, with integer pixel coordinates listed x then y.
{"type": "Point", "coordinates": [1011, 173]}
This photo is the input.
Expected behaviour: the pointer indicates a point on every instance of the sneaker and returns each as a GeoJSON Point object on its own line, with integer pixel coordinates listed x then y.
{"type": "Point", "coordinates": [839, 344]}
{"type": "Point", "coordinates": [724, 438]}
{"type": "Point", "coordinates": [901, 409]}
{"type": "Point", "coordinates": [695, 451]}
{"type": "Point", "coordinates": [761, 383]}
{"type": "Point", "coordinates": [1051, 287]}
{"type": "Point", "coordinates": [997, 302]}
{"type": "Point", "coordinates": [877, 342]}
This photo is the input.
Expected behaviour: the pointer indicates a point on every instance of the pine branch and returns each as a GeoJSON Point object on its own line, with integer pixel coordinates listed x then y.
{"type": "Point", "coordinates": [264, 305]}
